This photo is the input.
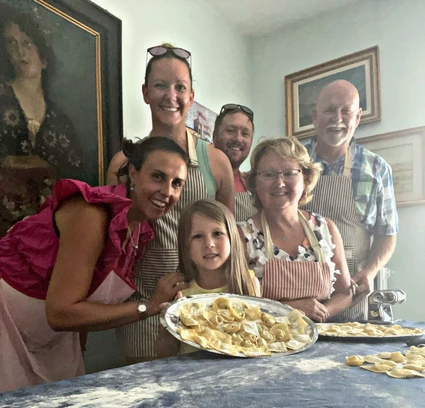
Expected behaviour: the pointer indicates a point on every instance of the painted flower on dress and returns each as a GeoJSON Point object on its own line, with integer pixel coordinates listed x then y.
{"type": "Point", "coordinates": [50, 139]}
{"type": "Point", "coordinates": [9, 205]}
{"type": "Point", "coordinates": [64, 142]}
{"type": "Point", "coordinates": [11, 117]}
{"type": "Point", "coordinates": [26, 146]}
{"type": "Point", "coordinates": [74, 159]}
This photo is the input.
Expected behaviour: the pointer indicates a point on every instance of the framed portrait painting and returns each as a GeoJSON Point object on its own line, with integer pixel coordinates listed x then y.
{"type": "Point", "coordinates": [302, 89]}
{"type": "Point", "coordinates": [404, 151]}
{"type": "Point", "coordinates": [60, 98]}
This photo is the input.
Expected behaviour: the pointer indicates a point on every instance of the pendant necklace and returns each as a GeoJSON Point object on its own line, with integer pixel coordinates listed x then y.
{"type": "Point", "coordinates": [135, 246]}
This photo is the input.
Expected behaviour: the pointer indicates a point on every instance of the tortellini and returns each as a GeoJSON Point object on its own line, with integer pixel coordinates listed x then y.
{"type": "Point", "coordinates": [394, 364]}
{"type": "Point", "coordinates": [231, 326]}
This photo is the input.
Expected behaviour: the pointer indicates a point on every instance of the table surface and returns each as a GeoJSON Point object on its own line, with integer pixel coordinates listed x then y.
{"type": "Point", "coordinates": [317, 377]}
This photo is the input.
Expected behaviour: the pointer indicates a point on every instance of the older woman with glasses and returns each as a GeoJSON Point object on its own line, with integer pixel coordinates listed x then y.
{"type": "Point", "coordinates": [168, 92]}
{"type": "Point", "coordinates": [297, 256]}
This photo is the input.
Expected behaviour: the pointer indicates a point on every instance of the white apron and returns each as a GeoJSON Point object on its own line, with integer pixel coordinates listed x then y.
{"type": "Point", "coordinates": [31, 352]}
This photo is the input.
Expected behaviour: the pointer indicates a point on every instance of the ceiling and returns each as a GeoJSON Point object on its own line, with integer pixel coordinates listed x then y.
{"type": "Point", "coordinates": [257, 17]}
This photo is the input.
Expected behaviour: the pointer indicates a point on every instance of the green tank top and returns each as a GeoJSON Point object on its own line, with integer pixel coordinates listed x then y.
{"type": "Point", "coordinates": [205, 167]}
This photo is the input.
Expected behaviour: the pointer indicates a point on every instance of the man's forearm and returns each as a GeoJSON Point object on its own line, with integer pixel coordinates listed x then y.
{"type": "Point", "coordinates": [383, 247]}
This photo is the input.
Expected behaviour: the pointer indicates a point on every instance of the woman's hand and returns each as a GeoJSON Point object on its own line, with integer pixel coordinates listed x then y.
{"type": "Point", "coordinates": [169, 287]}
{"type": "Point", "coordinates": [312, 309]}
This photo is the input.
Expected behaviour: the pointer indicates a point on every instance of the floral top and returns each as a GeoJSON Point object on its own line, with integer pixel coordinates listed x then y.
{"type": "Point", "coordinates": [22, 190]}
{"type": "Point", "coordinates": [254, 239]}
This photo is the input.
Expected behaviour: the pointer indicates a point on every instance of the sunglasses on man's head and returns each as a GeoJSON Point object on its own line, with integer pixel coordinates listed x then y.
{"type": "Point", "coordinates": [159, 50]}
{"type": "Point", "coordinates": [233, 106]}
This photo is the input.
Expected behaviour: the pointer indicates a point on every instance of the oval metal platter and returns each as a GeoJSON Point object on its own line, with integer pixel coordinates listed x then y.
{"type": "Point", "coordinates": [170, 317]}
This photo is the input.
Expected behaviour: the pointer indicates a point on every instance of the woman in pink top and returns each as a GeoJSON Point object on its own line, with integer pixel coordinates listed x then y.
{"type": "Point", "coordinates": [67, 268]}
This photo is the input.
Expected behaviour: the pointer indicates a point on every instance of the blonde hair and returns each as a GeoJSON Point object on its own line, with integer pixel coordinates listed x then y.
{"type": "Point", "coordinates": [236, 267]}
{"type": "Point", "coordinates": [288, 148]}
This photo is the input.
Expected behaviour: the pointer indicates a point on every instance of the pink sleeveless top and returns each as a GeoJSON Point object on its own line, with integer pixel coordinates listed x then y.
{"type": "Point", "coordinates": [28, 251]}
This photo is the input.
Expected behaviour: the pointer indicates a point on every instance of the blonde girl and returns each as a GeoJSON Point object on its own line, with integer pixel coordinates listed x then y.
{"type": "Point", "coordinates": [212, 259]}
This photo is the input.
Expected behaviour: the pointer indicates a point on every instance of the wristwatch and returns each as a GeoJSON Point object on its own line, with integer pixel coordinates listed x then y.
{"type": "Point", "coordinates": [142, 309]}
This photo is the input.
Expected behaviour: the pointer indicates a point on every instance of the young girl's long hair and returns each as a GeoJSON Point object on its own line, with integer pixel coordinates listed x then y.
{"type": "Point", "coordinates": [238, 278]}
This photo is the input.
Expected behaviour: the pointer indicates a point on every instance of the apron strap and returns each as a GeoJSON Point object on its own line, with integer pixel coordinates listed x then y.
{"type": "Point", "coordinates": [268, 244]}
{"type": "Point", "coordinates": [191, 149]}
{"type": "Point", "coordinates": [348, 163]}
{"type": "Point", "coordinates": [311, 236]}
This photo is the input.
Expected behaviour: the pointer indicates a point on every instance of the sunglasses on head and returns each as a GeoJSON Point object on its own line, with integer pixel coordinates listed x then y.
{"type": "Point", "coordinates": [233, 106]}
{"type": "Point", "coordinates": [159, 50]}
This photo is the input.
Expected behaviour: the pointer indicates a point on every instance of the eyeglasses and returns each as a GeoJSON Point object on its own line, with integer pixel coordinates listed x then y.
{"type": "Point", "coordinates": [234, 106]}
{"type": "Point", "coordinates": [159, 50]}
{"type": "Point", "coordinates": [287, 175]}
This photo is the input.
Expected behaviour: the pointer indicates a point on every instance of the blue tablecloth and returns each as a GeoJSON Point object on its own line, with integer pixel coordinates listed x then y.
{"type": "Point", "coordinates": [317, 377]}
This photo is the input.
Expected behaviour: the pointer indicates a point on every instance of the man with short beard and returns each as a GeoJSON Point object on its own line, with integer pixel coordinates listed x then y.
{"type": "Point", "coordinates": [233, 133]}
{"type": "Point", "coordinates": [355, 190]}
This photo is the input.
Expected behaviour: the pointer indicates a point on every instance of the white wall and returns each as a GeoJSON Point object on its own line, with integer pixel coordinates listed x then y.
{"type": "Point", "coordinates": [397, 27]}
{"type": "Point", "coordinates": [219, 53]}
{"type": "Point", "coordinates": [219, 67]}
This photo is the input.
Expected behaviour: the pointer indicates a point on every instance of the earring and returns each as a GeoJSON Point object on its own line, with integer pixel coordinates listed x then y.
{"type": "Point", "coordinates": [131, 187]}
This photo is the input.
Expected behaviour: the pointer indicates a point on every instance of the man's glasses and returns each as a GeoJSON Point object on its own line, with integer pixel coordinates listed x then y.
{"type": "Point", "coordinates": [287, 175]}
{"type": "Point", "coordinates": [233, 106]}
{"type": "Point", "coordinates": [159, 50]}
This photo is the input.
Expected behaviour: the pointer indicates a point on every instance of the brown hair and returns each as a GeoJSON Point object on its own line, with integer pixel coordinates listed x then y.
{"type": "Point", "coordinates": [289, 148]}
{"type": "Point", "coordinates": [236, 266]}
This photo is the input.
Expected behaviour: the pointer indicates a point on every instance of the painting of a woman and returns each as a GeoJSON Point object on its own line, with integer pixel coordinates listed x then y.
{"type": "Point", "coordinates": [37, 140]}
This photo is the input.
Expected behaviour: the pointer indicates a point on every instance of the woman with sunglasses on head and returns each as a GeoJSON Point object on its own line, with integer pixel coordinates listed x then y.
{"type": "Point", "coordinates": [297, 256]}
{"type": "Point", "coordinates": [233, 133]}
{"type": "Point", "coordinates": [168, 92]}
{"type": "Point", "coordinates": [67, 268]}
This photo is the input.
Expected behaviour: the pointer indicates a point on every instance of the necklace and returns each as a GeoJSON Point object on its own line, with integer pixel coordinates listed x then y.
{"type": "Point", "coordinates": [135, 246]}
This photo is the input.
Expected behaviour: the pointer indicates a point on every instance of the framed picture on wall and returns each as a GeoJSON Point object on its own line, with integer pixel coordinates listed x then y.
{"type": "Point", "coordinates": [302, 89]}
{"type": "Point", "coordinates": [60, 98]}
{"type": "Point", "coordinates": [404, 151]}
{"type": "Point", "coordinates": [201, 120]}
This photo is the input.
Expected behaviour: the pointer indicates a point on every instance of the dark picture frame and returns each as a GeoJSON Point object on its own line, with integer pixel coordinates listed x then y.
{"type": "Point", "coordinates": [85, 88]}
{"type": "Point", "coordinates": [107, 30]}
{"type": "Point", "coordinates": [104, 30]}
{"type": "Point", "coordinates": [303, 87]}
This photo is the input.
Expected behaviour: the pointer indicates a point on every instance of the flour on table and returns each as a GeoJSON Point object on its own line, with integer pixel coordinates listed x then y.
{"type": "Point", "coordinates": [317, 364]}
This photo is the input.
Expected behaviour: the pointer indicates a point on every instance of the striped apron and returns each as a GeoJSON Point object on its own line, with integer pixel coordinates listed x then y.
{"type": "Point", "coordinates": [333, 198]}
{"type": "Point", "coordinates": [160, 258]}
{"type": "Point", "coordinates": [290, 280]}
{"type": "Point", "coordinates": [244, 206]}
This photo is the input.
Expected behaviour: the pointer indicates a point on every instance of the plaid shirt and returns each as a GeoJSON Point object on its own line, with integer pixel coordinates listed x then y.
{"type": "Point", "coordinates": [373, 187]}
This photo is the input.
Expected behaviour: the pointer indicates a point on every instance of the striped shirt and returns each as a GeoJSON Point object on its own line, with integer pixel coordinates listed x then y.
{"type": "Point", "coordinates": [373, 187]}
